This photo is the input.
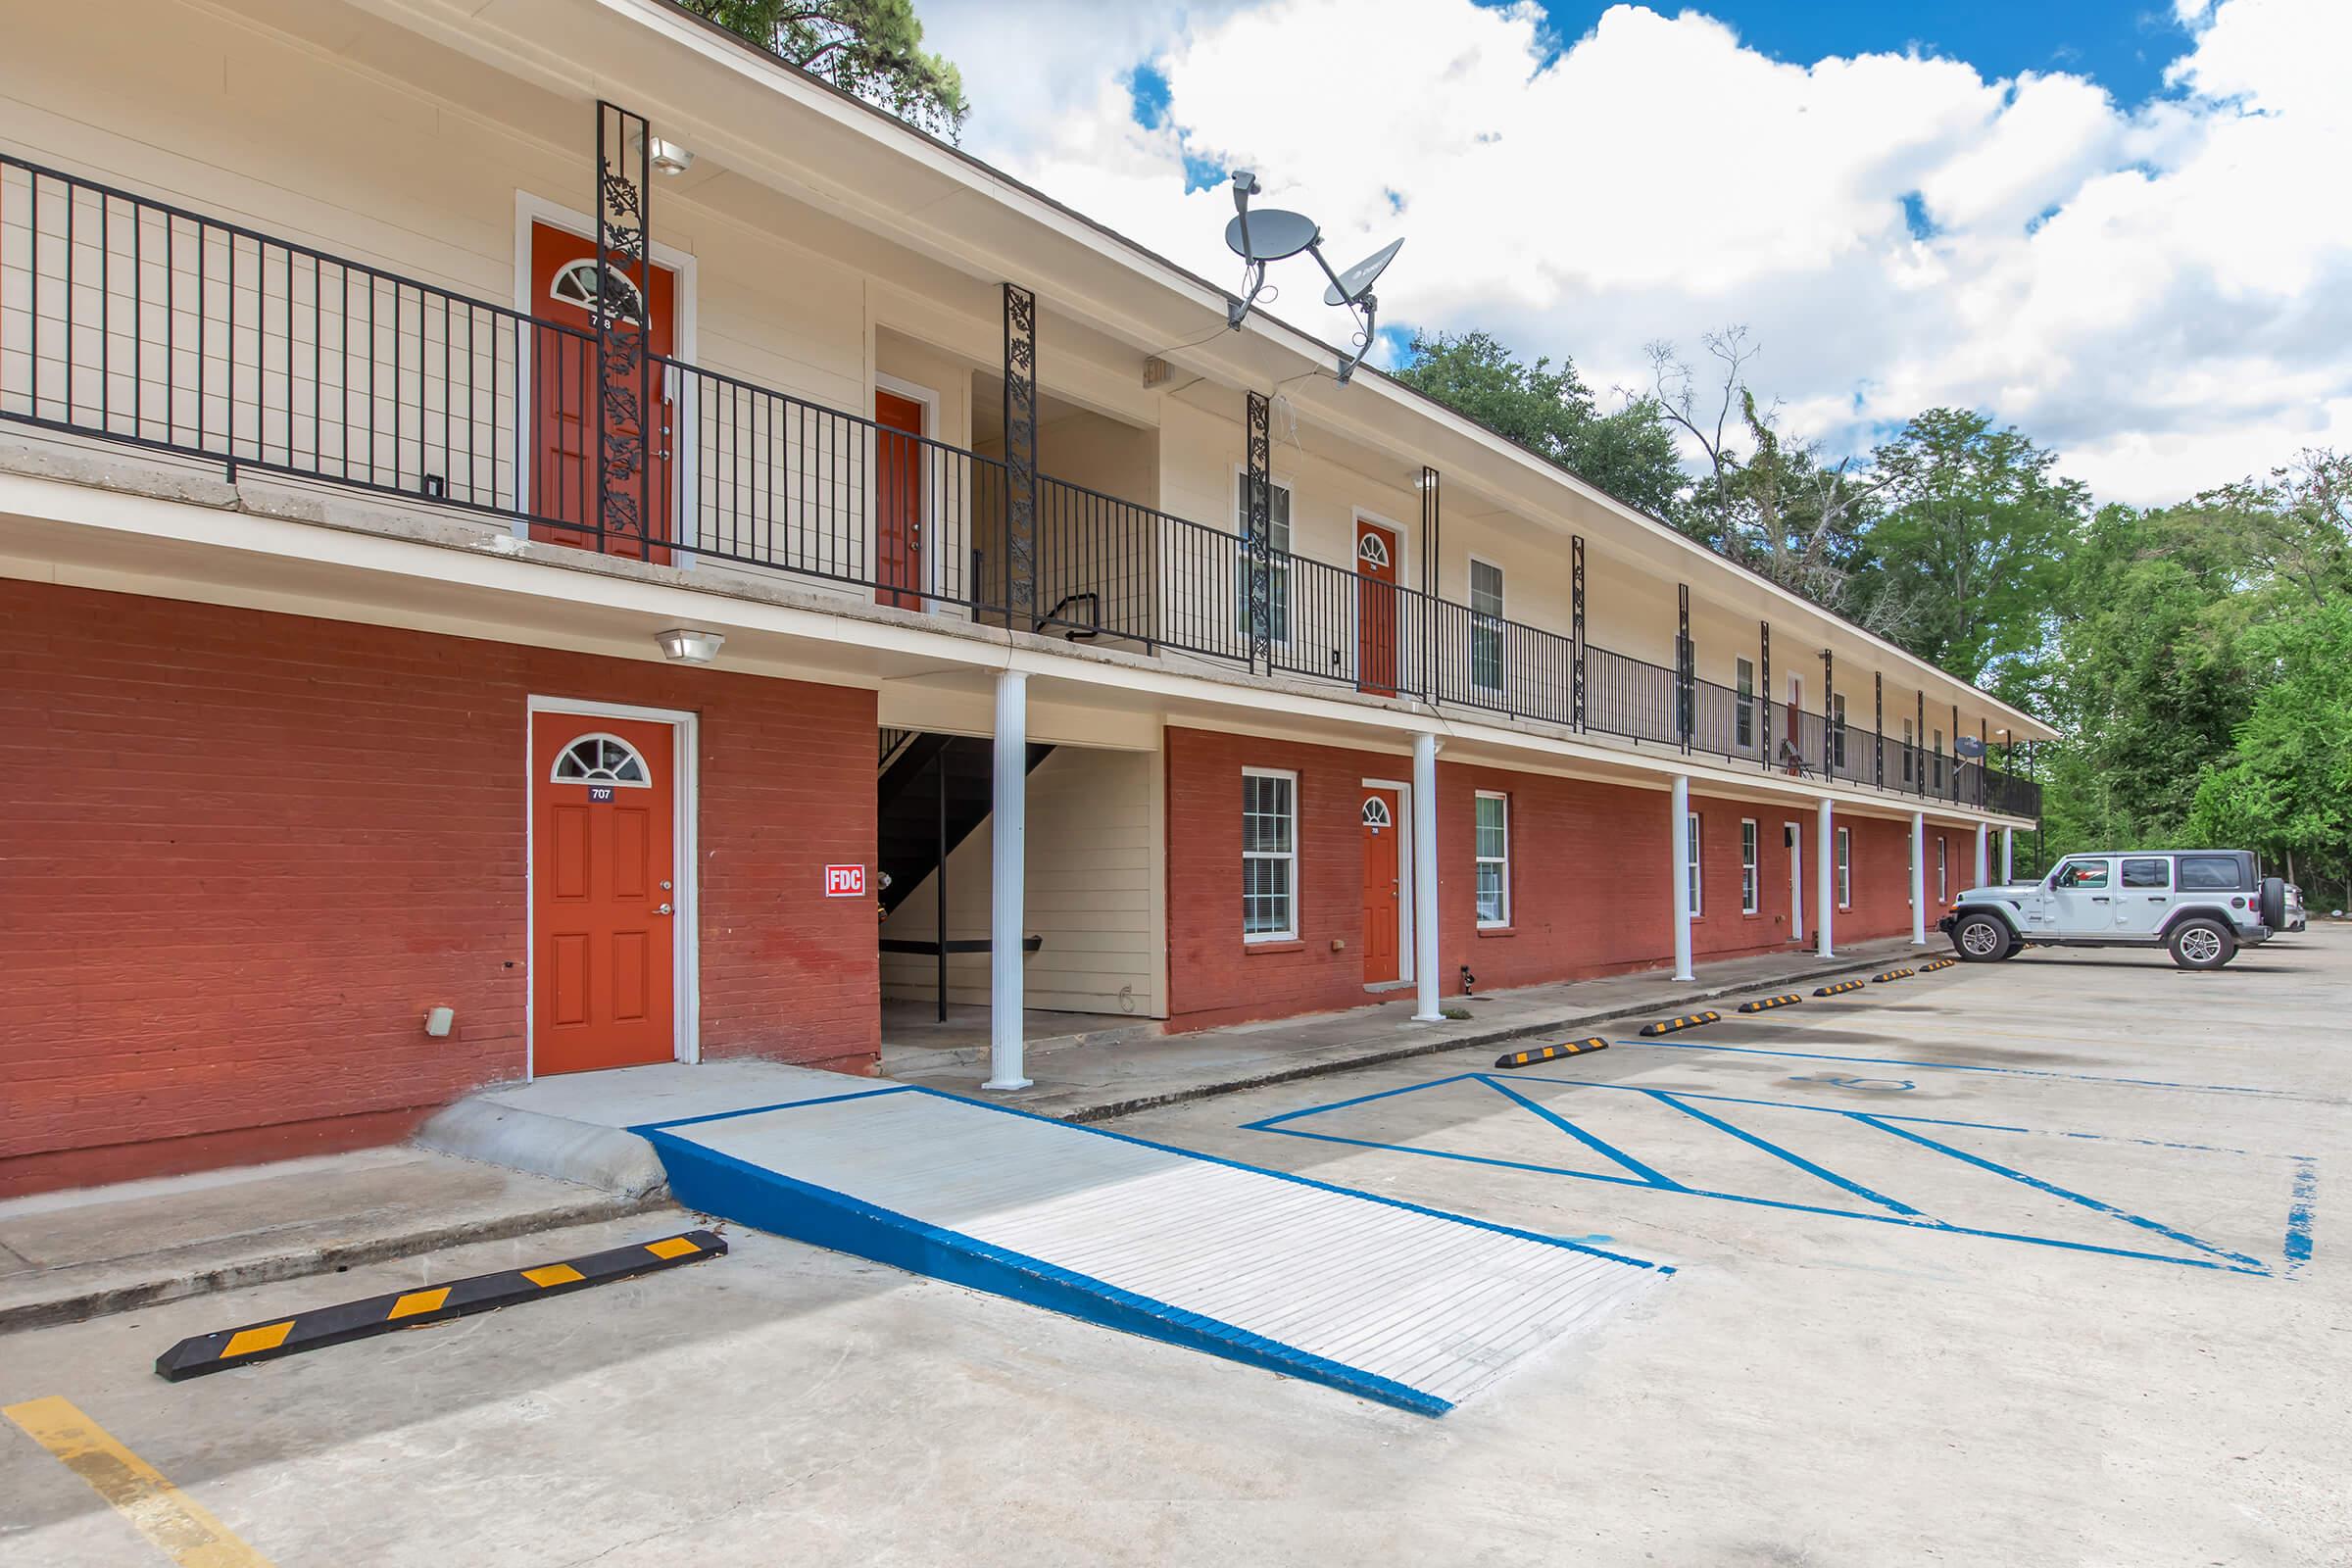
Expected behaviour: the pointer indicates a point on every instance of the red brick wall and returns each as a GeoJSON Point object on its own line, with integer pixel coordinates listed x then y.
{"type": "Point", "coordinates": [1591, 889]}
{"type": "Point", "coordinates": [243, 853]}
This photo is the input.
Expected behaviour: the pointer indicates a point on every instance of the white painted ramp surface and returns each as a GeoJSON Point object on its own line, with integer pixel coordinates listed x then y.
{"type": "Point", "coordinates": [1433, 1303]}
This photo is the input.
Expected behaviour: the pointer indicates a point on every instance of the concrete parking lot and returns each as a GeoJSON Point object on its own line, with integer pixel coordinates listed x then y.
{"type": "Point", "coordinates": [2022, 1263]}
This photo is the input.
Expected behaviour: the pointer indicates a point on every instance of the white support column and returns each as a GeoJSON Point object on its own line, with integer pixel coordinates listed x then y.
{"type": "Point", "coordinates": [1425, 879]}
{"type": "Point", "coordinates": [1680, 798]}
{"type": "Point", "coordinates": [2008, 854]}
{"type": "Point", "coordinates": [1919, 880]}
{"type": "Point", "coordinates": [1825, 902]}
{"type": "Point", "coordinates": [1008, 815]}
{"type": "Point", "coordinates": [1983, 856]}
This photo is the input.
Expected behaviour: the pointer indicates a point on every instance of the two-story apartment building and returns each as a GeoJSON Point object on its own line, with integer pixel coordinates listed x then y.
{"type": "Point", "coordinates": [517, 519]}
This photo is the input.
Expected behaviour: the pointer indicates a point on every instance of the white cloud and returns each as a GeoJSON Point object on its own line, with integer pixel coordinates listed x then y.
{"type": "Point", "coordinates": [2164, 293]}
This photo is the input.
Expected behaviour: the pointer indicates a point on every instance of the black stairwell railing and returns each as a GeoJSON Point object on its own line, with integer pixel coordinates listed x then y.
{"type": "Point", "coordinates": [135, 322]}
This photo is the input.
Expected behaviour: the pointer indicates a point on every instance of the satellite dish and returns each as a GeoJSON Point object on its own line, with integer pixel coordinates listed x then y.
{"type": "Point", "coordinates": [1968, 747]}
{"type": "Point", "coordinates": [1270, 234]}
{"type": "Point", "coordinates": [1355, 282]}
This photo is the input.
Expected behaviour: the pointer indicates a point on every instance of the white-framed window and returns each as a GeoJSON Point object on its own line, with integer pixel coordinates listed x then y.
{"type": "Point", "coordinates": [1690, 867]}
{"type": "Point", "coordinates": [1492, 855]}
{"type": "Point", "coordinates": [1846, 869]}
{"type": "Point", "coordinates": [1940, 895]}
{"type": "Point", "coordinates": [1838, 730]}
{"type": "Point", "coordinates": [1269, 855]}
{"type": "Point", "coordinates": [1910, 745]}
{"type": "Point", "coordinates": [1910, 854]}
{"type": "Point", "coordinates": [1940, 771]}
{"type": "Point", "coordinates": [1485, 625]}
{"type": "Point", "coordinates": [600, 760]}
{"type": "Point", "coordinates": [574, 283]}
{"type": "Point", "coordinates": [1278, 568]}
{"type": "Point", "coordinates": [1749, 890]}
{"type": "Point", "coordinates": [1745, 714]}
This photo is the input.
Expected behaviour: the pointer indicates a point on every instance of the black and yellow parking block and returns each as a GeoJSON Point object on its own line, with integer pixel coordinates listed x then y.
{"type": "Point", "coordinates": [1667, 1026]}
{"type": "Point", "coordinates": [1939, 963]}
{"type": "Point", "coordinates": [1891, 974]}
{"type": "Point", "coordinates": [1569, 1048]}
{"type": "Point", "coordinates": [437, 1304]}
{"type": "Point", "coordinates": [1840, 989]}
{"type": "Point", "coordinates": [1767, 1004]}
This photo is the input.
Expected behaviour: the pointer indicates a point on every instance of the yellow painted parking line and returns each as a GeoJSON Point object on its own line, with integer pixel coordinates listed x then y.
{"type": "Point", "coordinates": [156, 1509]}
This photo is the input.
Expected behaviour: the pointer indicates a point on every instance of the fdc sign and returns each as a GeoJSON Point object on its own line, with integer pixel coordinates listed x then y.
{"type": "Point", "coordinates": [844, 881]}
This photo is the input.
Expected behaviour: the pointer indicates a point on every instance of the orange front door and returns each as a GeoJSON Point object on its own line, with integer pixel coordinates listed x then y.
{"type": "Point", "coordinates": [604, 812]}
{"type": "Point", "coordinates": [1376, 608]}
{"type": "Point", "coordinates": [564, 403]}
{"type": "Point", "coordinates": [899, 500]}
{"type": "Point", "coordinates": [1383, 897]}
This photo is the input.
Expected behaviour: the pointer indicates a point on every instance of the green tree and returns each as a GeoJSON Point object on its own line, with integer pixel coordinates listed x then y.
{"type": "Point", "coordinates": [1777, 503]}
{"type": "Point", "coordinates": [1974, 538]}
{"type": "Point", "coordinates": [871, 48]}
{"type": "Point", "coordinates": [1628, 452]}
{"type": "Point", "coordinates": [2286, 786]}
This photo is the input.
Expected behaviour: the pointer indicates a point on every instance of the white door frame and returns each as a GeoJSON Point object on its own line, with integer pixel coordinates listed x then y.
{"type": "Point", "coordinates": [1793, 834]}
{"type": "Point", "coordinates": [685, 926]}
{"type": "Point", "coordinates": [1405, 873]}
{"type": "Point", "coordinates": [529, 209]}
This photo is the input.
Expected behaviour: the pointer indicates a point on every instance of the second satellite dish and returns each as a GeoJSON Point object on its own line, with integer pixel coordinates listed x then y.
{"type": "Point", "coordinates": [1355, 282]}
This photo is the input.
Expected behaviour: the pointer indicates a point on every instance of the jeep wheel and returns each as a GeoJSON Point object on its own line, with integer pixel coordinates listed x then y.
{"type": "Point", "coordinates": [2270, 904]}
{"type": "Point", "coordinates": [2202, 945]}
{"type": "Point", "coordinates": [1981, 938]}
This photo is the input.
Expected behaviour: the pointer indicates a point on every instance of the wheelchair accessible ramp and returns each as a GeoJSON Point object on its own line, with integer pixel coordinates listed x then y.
{"type": "Point", "coordinates": [1407, 1305]}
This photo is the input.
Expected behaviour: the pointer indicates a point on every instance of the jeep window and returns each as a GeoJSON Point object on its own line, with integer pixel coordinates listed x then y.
{"type": "Point", "coordinates": [2082, 875]}
{"type": "Point", "coordinates": [2208, 873]}
{"type": "Point", "coordinates": [2148, 873]}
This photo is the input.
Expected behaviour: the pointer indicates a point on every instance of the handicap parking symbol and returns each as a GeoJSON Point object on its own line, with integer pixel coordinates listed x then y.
{"type": "Point", "coordinates": [1838, 1080]}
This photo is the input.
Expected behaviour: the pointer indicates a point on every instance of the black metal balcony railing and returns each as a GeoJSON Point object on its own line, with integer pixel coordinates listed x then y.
{"type": "Point", "coordinates": [133, 320]}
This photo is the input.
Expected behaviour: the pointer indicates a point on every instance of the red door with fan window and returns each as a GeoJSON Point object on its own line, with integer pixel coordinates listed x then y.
{"type": "Point", "coordinates": [1384, 909]}
{"type": "Point", "coordinates": [1376, 608]}
{"type": "Point", "coordinates": [604, 906]}
{"type": "Point", "coordinates": [564, 403]}
{"type": "Point", "coordinates": [898, 501]}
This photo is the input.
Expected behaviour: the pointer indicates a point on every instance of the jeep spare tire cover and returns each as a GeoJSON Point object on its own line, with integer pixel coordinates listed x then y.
{"type": "Point", "coordinates": [2274, 902]}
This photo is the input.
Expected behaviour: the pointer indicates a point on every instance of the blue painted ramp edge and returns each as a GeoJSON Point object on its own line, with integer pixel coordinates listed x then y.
{"type": "Point", "coordinates": [703, 1178]}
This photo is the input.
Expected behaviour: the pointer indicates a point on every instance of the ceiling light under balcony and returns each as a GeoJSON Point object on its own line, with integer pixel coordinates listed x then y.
{"type": "Point", "coordinates": [685, 646]}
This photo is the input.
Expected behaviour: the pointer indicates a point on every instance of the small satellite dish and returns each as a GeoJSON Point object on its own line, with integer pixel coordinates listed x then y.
{"type": "Point", "coordinates": [1969, 747]}
{"type": "Point", "coordinates": [1270, 234]}
{"type": "Point", "coordinates": [1355, 282]}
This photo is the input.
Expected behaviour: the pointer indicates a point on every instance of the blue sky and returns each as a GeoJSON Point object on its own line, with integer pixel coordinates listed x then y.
{"type": "Point", "coordinates": [1993, 204]}
{"type": "Point", "coordinates": [2121, 44]}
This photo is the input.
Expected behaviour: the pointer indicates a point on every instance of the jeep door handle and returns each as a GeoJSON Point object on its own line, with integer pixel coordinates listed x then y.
{"type": "Point", "coordinates": [2098, 897]}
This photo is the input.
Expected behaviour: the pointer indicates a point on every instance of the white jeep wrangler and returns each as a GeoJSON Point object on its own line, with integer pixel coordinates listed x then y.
{"type": "Point", "coordinates": [2204, 905]}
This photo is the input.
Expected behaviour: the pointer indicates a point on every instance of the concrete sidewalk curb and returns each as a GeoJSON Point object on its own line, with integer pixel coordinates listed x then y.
{"type": "Point", "coordinates": [607, 1159]}
{"type": "Point", "coordinates": [1669, 1005]}
{"type": "Point", "coordinates": [102, 1300]}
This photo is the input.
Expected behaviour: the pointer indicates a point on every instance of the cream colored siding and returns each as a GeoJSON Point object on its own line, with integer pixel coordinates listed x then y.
{"type": "Point", "coordinates": [1092, 891]}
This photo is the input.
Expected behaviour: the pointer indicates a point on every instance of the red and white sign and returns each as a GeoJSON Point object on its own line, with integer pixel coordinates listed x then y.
{"type": "Point", "coordinates": [844, 881]}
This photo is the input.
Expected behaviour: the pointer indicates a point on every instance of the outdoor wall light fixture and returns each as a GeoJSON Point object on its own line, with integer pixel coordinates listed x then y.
{"type": "Point", "coordinates": [685, 646]}
{"type": "Point", "coordinates": [666, 156]}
